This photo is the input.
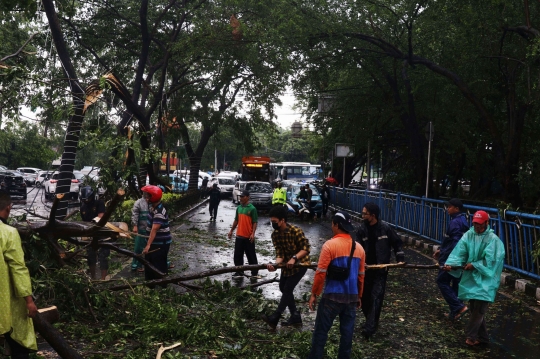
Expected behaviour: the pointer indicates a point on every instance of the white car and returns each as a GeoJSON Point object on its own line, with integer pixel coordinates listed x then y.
{"type": "Point", "coordinates": [30, 174]}
{"type": "Point", "coordinates": [49, 186]}
{"type": "Point", "coordinates": [90, 170]}
{"type": "Point", "coordinates": [238, 188]}
{"type": "Point", "coordinates": [225, 184]}
{"type": "Point", "coordinates": [42, 177]}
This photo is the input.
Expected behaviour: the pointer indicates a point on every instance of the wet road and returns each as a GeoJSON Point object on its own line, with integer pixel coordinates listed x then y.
{"type": "Point", "coordinates": [201, 245]}
{"type": "Point", "coordinates": [36, 203]}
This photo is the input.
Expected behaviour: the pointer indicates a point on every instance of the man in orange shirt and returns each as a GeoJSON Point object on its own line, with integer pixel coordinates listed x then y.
{"type": "Point", "coordinates": [246, 219]}
{"type": "Point", "coordinates": [342, 292]}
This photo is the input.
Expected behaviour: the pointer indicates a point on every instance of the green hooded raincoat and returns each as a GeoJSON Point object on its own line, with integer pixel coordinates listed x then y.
{"type": "Point", "coordinates": [486, 253]}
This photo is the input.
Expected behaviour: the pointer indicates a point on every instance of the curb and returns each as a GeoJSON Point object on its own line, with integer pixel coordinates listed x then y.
{"type": "Point", "coordinates": [191, 208]}
{"type": "Point", "coordinates": [520, 285]}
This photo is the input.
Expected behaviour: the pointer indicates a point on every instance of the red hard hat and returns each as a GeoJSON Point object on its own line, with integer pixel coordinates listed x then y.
{"type": "Point", "coordinates": [154, 191]}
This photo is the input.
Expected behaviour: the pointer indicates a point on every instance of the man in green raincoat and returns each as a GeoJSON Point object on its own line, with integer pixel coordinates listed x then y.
{"type": "Point", "coordinates": [16, 303]}
{"type": "Point", "coordinates": [481, 253]}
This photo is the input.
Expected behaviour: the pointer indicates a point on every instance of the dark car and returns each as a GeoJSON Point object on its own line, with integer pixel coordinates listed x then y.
{"type": "Point", "coordinates": [293, 190]}
{"type": "Point", "coordinates": [260, 193]}
{"type": "Point", "coordinates": [13, 183]}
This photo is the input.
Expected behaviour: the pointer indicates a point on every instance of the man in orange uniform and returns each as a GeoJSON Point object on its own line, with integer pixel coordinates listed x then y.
{"type": "Point", "coordinates": [342, 292]}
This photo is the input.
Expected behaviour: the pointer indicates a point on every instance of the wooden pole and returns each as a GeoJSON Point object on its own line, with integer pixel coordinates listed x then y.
{"type": "Point", "coordinates": [258, 267]}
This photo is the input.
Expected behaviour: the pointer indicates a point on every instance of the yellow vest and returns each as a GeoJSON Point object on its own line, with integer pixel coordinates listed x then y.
{"type": "Point", "coordinates": [279, 196]}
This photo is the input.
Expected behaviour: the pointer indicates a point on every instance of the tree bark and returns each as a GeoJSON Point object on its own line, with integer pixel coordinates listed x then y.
{"type": "Point", "coordinates": [73, 130]}
{"type": "Point", "coordinates": [257, 267]}
{"type": "Point", "coordinates": [54, 338]}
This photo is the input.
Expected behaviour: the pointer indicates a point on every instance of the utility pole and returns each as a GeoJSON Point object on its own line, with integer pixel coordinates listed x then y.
{"type": "Point", "coordinates": [429, 135]}
{"type": "Point", "coordinates": [215, 161]}
{"type": "Point", "coordinates": [368, 165]}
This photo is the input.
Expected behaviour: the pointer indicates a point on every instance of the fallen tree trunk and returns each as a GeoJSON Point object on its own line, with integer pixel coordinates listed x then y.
{"type": "Point", "coordinates": [258, 267]}
{"type": "Point", "coordinates": [123, 251]}
{"type": "Point", "coordinates": [54, 338]}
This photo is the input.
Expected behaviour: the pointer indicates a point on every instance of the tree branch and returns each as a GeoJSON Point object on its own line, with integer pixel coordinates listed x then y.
{"type": "Point", "coordinates": [18, 51]}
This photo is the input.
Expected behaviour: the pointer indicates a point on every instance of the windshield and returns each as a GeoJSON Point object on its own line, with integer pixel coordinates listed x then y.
{"type": "Point", "coordinates": [259, 187]}
{"type": "Point", "coordinates": [78, 175]}
{"type": "Point", "coordinates": [296, 190]}
{"type": "Point", "coordinates": [226, 181]}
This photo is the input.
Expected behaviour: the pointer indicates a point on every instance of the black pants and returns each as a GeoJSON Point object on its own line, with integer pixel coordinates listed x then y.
{"type": "Point", "coordinates": [17, 350]}
{"type": "Point", "coordinates": [243, 245]}
{"type": "Point", "coordinates": [476, 328]}
{"type": "Point", "coordinates": [158, 259]}
{"type": "Point", "coordinates": [372, 298]}
{"type": "Point", "coordinates": [213, 209]}
{"type": "Point", "coordinates": [324, 206]}
{"type": "Point", "coordinates": [286, 286]}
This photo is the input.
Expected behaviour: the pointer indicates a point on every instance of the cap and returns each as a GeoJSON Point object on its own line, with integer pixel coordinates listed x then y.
{"type": "Point", "coordinates": [244, 194]}
{"type": "Point", "coordinates": [455, 202]}
{"type": "Point", "coordinates": [344, 219]}
{"type": "Point", "coordinates": [480, 217]}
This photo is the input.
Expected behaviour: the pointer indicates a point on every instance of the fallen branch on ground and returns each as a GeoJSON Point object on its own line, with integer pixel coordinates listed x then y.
{"type": "Point", "coordinates": [252, 267]}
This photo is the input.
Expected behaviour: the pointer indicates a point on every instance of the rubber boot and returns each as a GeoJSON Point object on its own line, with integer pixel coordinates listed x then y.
{"type": "Point", "coordinates": [272, 320]}
{"type": "Point", "coordinates": [295, 320]}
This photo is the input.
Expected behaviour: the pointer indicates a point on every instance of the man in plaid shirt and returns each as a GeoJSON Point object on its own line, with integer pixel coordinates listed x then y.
{"type": "Point", "coordinates": [291, 247]}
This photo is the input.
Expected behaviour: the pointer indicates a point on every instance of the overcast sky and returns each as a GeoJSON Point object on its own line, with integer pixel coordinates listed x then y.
{"type": "Point", "coordinates": [285, 114]}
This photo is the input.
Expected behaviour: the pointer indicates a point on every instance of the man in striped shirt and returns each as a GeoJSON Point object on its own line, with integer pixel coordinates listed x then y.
{"type": "Point", "coordinates": [341, 296]}
{"type": "Point", "coordinates": [159, 240]}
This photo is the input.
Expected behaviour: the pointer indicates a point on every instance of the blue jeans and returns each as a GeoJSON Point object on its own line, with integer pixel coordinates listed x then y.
{"type": "Point", "coordinates": [326, 313]}
{"type": "Point", "coordinates": [448, 284]}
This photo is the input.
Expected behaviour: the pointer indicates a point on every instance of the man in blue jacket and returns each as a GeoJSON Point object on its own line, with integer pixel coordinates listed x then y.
{"type": "Point", "coordinates": [447, 283]}
{"type": "Point", "coordinates": [481, 253]}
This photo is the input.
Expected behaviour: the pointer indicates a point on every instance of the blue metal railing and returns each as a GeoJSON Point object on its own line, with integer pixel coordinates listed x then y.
{"type": "Point", "coordinates": [427, 218]}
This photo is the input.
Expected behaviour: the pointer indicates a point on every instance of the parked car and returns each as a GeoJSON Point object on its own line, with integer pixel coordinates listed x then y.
{"type": "Point", "coordinates": [294, 189]}
{"type": "Point", "coordinates": [13, 183]}
{"type": "Point", "coordinates": [42, 177]}
{"type": "Point", "coordinates": [225, 184]}
{"type": "Point", "coordinates": [90, 170]}
{"type": "Point", "coordinates": [186, 174]}
{"type": "Point", "coordinates": [3, 168]}
{"type": "Point", "coordinates": [30, 174]}
{"type": "Point", "coordinates": [260, 193]}
{"type": "Point", "coordinates": [91, 180]}
{"type": "Point", "coordinates": [238, 188]}
{"type": "Point", "coordinates": [49, 186]}
{"type": "Point", "coordinates": [178, 184]}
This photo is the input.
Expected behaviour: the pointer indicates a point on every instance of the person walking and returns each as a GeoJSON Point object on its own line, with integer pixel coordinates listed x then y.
{"type": "Point", "coordinates": [204, 186]}
{"type": "Point", "coordinates": [291, 247]}
{"type": "Point", "coordinates": [279, 196]}
{"type": "Point", "coordinates": [16, 304]}
{"type": "Point", "coordinates": [91, 209]}
{"type": "Point", "coordinates": [481, 253]}
{"type": "Point", "coordinates": [139, 221]}
{"type": "Point", "coordinates": [377, 238]}
{"type": "Point", "coordinates": [447, 283]}
{"type": "Point", "coordinates": [342, 293]}
{"type": "Point", "coordinates": [159, 239]}
{"type": "Point", "coordinates": [325, 198]}
{"type": "Point", "coordinates": [214, 196]}
{"type": "Point", "coordinates": [245, 219]}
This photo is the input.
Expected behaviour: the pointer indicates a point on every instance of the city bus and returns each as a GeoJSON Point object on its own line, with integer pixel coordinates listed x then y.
{"type": "Point", "coordinates": [256, 168]}
{"type": "Point", "coordinates": [295, 171]}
